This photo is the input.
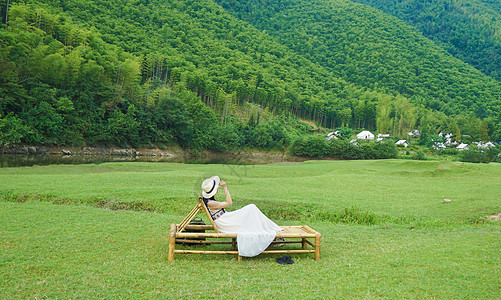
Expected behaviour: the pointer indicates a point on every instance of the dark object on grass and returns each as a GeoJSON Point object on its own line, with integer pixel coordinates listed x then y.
{"type": "Point", "coordinates": [278, 242]}
{"type": "Point", "coordinates": [286, 260]}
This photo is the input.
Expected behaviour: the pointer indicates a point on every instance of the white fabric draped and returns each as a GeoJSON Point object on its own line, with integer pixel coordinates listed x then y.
{"type": "Point", "coordinates": [254, 230]}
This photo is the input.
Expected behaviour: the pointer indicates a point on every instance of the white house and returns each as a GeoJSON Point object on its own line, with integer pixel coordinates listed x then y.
{"type": "Point", "coordinates": [439, 146]}
{"type": "Point", "coordinates": [365, 135]}
{"type": "Point", "coordinates": [450, 143]}
{"type": "Point", "coordinates": [402, 143]}
{"type": "Point", "coordinates": [332, 135]}
{"type": "Point", "coordinates": [445, 135]}
{"type": "Point", "coordinates": [485, 145]}
{"type": "Point", "coordinates": [415, 132]}
{"type": "Point", "coordinates": [462, 146]}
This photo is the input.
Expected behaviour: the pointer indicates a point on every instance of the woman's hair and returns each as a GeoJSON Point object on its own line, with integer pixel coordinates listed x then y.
{"type": "Point", "coordinates": [206, 200]}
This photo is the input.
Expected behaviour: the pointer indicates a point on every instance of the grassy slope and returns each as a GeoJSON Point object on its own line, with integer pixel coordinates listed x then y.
{"type": "Point", "coordinates": [398, 188]}
{"type": "Point", "coordinates": [76, 251]}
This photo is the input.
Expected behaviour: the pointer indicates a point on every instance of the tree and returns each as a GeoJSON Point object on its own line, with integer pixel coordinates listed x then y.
{"type": "Point", "coordinates": [345, 116]}
{"type": "Point", "coordinates": [454, 129]}
{"type": "Point", "coordinates": [123, 128]}
{"type": "Point", "coordinates": [383, 120]}
{"type": "Point", "coordinates": [484, 132]}
{"type": "Point", "coordinates": [46, 125]}
{"type": "Point", "coordinates": [12, 130]}
{"type": "Point", "coordinates": [129, 76]}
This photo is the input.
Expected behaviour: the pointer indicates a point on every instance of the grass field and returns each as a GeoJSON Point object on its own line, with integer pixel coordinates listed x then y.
{"type": "Point", "coordinates": [101, 231]}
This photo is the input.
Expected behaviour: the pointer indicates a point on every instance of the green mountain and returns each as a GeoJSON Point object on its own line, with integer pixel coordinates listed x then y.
{"type": "Point", "coordinates": [469, 29]}
{"type": "Point", "coordinates": [371, 49]}
{"type": "Point", "coordinates": [207, 75]}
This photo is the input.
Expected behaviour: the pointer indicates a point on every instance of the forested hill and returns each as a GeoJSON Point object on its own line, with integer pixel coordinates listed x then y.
{"type": "Point", "coordinates": [468, 29]}
{"type": "Point", "coordinates": [368, 48]}
{"type": "Point", "coordinates": [202, 74]}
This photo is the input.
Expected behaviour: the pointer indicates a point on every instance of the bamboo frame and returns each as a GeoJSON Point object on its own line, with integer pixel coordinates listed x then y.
{"type": "Point", "coordinates": [303, 233]}
{"type": "Point", "coordinates": [200, 206]}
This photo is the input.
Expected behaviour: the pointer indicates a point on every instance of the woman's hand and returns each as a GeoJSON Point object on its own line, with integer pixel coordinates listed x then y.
{"type": "Point", "coordinates": [217, 204]}
{"type": "Point", "coordinates": [223, 184]}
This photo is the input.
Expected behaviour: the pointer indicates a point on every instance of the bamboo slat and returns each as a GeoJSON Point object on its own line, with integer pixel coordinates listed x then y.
{"type": "Point", "coordinates": [233, 242]}
{"type": "Point", "coordinates": [202, 204]}
{"type": "Point", "coordinates": [294, 235]}
{"type": "Point", "coordinates": [309, 243]}
{"type": "Point", "coordinates": [188, 218]}
{"type": "Point", "coordinates": [198, 227]}
{"type": "Point", "coordinates": [309, 229]}
{"type": "Point", "coordinates": [287, 242]}
{"type": "Point", "coordinates": [205, 235]}
{"type": "Point", "coordinates": [207, 252]}
{"type": "Point", "coordinates": [289, 251]}
{"type": "Point", "coordinates": [185, 241]}
{"type": "Point", "coordinates": [280, 234]}
{"type": "Point", "coordinates": [185, 251]}
{"type": "Point", "coordinates": [296, 231]}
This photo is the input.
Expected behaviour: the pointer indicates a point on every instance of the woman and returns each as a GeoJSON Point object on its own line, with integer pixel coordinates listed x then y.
{"type": "Point", "coordinates": [254, 230]}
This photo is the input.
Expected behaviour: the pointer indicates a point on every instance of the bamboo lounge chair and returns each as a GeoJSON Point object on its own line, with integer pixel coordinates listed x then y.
{"type": "Point", "coordinates": [294, 234]}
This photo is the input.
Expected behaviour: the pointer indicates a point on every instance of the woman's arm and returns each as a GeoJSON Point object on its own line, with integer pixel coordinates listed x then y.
{"type": "Point", "coordinates": [217, 204]}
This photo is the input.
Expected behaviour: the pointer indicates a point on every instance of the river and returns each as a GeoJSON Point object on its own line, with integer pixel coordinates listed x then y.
{"type": "Point", "coordinates": [24, 160]}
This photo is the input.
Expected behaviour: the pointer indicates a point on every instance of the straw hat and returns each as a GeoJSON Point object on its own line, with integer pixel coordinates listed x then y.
{"type": "Point", "coordinates": [210, 186]}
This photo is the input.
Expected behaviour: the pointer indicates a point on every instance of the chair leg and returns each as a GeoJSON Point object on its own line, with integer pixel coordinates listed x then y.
{"type": "Point", "coordinates": [239, 258]}
{"type": "Point", "coordinates": [172, 242]}
{"type": "Point", "coordinates": [317, 246]}
{"type": "Point", "coordinates": [303, 243]}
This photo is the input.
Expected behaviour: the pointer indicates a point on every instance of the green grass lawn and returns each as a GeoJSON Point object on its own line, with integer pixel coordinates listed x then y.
{"type": "Point", "coordinates": [386, 231]}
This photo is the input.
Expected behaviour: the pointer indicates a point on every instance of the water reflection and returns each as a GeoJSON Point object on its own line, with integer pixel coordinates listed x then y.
{"type": "Point", "coordinates": [23, 160]}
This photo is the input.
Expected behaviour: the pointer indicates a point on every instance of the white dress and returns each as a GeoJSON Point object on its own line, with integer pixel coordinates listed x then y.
{"type": "Point", "coordinates": [254, 230]}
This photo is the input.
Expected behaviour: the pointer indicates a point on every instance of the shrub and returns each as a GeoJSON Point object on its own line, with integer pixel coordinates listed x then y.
{"type": "Point", "coordinates": [385, 150]}
{"type": "Point", "coordinates": [479, 155]}
{"type": "Point", "coordinates": [225, 138]}
{"type": "Point", "coordinates": [311, 146]}
{"type": "Point", "coordinates": [362, 150]}
{"type": "Point", "coordinates": [449, 151]}
{"type": "Point", "coordinates": [345, 133]}
{"type": "Point", "coordinates": [266, 135]}
{"type": "Point", "coordinates": [46, 122]}
{"type": "Point", "coordinates": [420, 155]}
{"type": "Point", "coordinates": [12, 130]}
{"type": "Point", "coordinates": [342, 149]}
{"type": "Point", "coordinates": [261, 137]}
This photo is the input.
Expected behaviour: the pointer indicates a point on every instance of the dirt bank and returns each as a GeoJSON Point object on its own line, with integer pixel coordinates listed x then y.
{"type": "Point", "coordinates": [90, 150]}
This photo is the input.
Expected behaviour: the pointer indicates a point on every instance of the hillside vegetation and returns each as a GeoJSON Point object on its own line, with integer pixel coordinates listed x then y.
{"type": "Point", "coordinates": [189, 73]}
{"type": "Point", "coordinates": [468, 29]}
{"type": "Point", "coordinates": [371, 49]}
